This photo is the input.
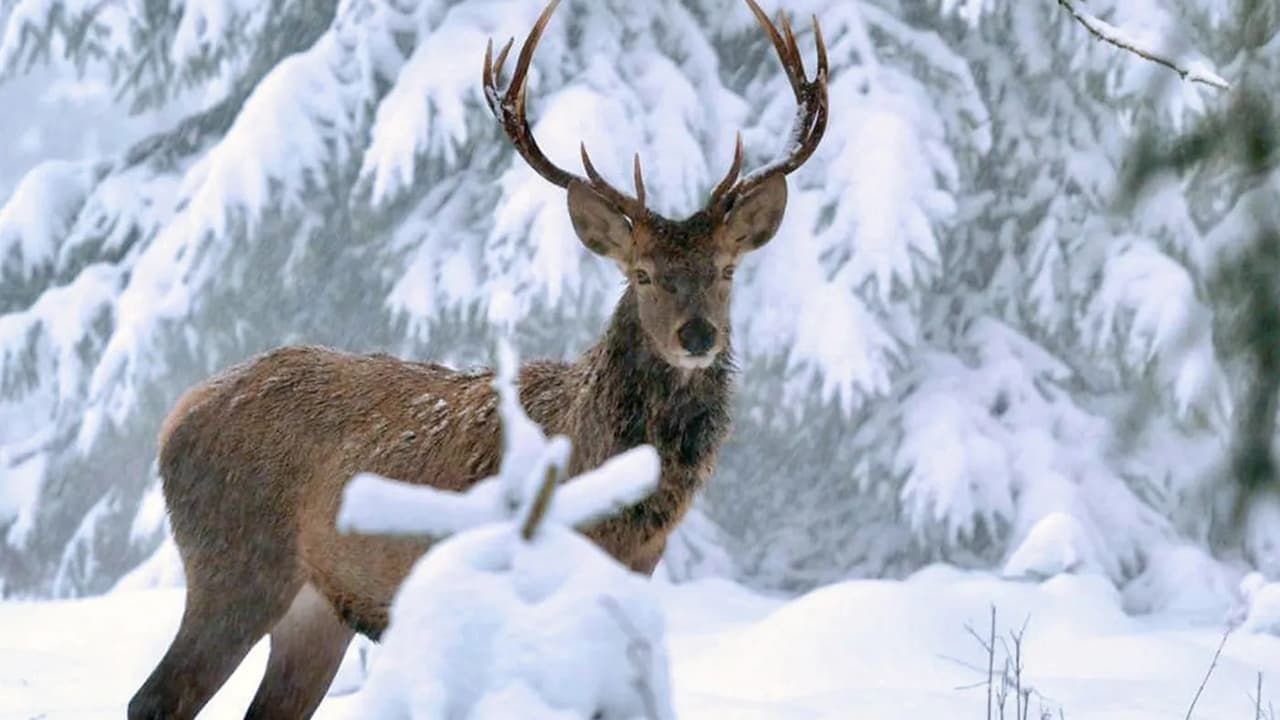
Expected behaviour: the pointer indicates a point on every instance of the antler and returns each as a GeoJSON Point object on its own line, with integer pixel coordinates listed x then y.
{"type": "Point", "coordinates": [811, 113]}
{"type": "Point", "coordinates": [509, 108]}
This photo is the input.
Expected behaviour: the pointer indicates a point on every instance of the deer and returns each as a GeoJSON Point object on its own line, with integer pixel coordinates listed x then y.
{"type": "Point", "coordinates": [254, 460]}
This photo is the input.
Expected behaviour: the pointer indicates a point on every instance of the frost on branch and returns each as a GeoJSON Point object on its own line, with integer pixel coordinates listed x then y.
{"type": "Point", "coordinates": [1191, 71]}
{"type": "Point", "coordinates": [515, 614]}
{"type": "Point", "coordinates": [1147, 311]}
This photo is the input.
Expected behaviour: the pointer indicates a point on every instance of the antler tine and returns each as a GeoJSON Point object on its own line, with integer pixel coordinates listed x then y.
{"type": "Point", "coordinates": [811, 98]}
{"type": "Point", "coordinates": [490, 73]}
{"type": "Point", "coordinates": [730, 177]}
{"type": "Point", "coordinates": [768, 26]}
{"type": "Point", "coordinates": [509, 108]}
{"type": "Point", "coordinates": [639, 179]}
{"type": "Point", "coordinates": [520, 76]}
{"type": "Point", "coordinates": [822, 51]}
{"type": "Point", "coordinates": [632, 207]}
{"type": "Point", "coordinates": [793, 50]}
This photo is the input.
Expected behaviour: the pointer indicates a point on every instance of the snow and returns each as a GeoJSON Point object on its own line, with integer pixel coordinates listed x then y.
{"type": "Point", "coordinates": [485, 613]}
{"type": "Point", "coordinates": [1057, 544]}
{"type": "Point", "coordinates": [865, 649]}
{"type": "Point", "coordinates": [373, 504]}
{"type": "Point", "coordinates": [1148, 309]}
{"type": "Point", "coordinates": [1200, 71]}
{"type": "Point", "coordinates": [427, 106]}
{"type": "Point", "coordinates": [1181, 578]}
{"type": "Point", "coordinates": [20, 499]}
{"type": "Point", "coordinates": [1261, 603]}
{"type": "Point", "coordinates": [53, 333]}
{"type": "Point", "coordinates": [205, 25]}
{"type": "Point", "coordinates": [1262, 531]}
{"type": "Point", "coordinates": [107, 23]}
{"type": "Point", "coordinates": [40, 211]}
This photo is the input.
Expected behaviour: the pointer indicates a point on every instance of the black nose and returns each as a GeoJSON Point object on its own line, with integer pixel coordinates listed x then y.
{"type": "Point", "coordinates": [697, 336]}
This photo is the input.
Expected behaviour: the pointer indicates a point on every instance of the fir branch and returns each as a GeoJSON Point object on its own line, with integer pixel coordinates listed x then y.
{"type": "Point", "coordinates": [1109, 33]}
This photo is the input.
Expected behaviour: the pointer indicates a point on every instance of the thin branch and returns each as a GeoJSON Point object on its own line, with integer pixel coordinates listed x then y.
{"type": "Point", "coordinates": [971, 686]}
{"type": "Point", "coordinates": [1108, 33]}
{"type": "Point", "coordinates": [1217, 653]}
{"type": "Point", "coordinates": [541, 502]}
{"type": "Point", "coordinates": [980, 640]}
{"type": "Point", "coordinates": [1021, 700]}
{"type": "Point", "coordinates": [1257, 700]}
{"type": "Point", "coordinates": [991, 659]}
{"type": "Point", "coordinates": [964, 664]}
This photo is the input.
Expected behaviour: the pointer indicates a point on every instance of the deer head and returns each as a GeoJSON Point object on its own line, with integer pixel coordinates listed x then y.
{"type": "Point", "coordinates": [681, 271]}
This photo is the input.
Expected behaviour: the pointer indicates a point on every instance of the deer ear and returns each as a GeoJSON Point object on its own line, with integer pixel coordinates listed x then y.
{"type": "Point", "coordinates": [600, 226]}
{"type": "Point", "coordinates": [755, 217]}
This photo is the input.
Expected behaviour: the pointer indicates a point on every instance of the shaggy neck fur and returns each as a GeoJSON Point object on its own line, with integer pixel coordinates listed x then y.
{"type": "Point", "coordinates": [683, 413]}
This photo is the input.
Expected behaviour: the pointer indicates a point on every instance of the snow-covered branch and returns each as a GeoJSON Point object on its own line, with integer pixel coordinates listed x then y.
{"type": "Point", "coordinates": [1105, 31]}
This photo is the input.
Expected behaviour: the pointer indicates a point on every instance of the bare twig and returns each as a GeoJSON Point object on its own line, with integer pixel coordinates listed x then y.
{"type": "Point", "coordinates": [1009, 676]}
{"type": "Point", "coordinates": [541, 502]}
{"type": "Point", "coordinates": [1022, 699]}
{"type": "Point", "coordinates": [1002, 695]}
{"type": "Point", "coordinates": [1257, 700]}
{"type": "Point", "coordinates": [1259, 711]}
{"type": "Point", "coordinates": [1109, 34]}
{"type": "Point", "coordinates": [1217, 653]}
{"type": "Point", "coordinates": [991, 659]}
{"type": "Point", "coordinates": [967, 666]}
{"type": "Point", "coordinates": [971, 686]}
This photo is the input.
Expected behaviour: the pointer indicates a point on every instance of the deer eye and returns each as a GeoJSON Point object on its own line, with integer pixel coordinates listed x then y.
{"type": "Point", "coordinates": [727, 272]}
{"type": "Point", "coordinates": [642, 278]}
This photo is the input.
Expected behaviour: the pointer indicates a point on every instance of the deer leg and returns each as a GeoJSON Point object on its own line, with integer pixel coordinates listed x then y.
{"type": "Point", "coordinates": [217, 631]}
{"type": "Point", "coordinates": [647, 557]}
{"type": "Point", "coordinates": [307, 646]}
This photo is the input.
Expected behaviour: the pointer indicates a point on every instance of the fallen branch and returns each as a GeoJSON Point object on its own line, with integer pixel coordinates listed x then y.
{"type": "Point", "coordinates": [1109, 33]}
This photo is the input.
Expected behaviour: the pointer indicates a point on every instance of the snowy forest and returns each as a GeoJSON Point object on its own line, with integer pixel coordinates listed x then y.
{"type": "Point", "coordinates": [1020, 315]}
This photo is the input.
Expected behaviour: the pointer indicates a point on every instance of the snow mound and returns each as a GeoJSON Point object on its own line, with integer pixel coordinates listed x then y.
{"type": "Point", "coordinates": [1182, 579]}
{"type": "Point", "coordinates": [1056, 544]}
{"type": "Point", "coordinates": [486, 621]}
{"type": "Point", "coordinates": [1262, 604]}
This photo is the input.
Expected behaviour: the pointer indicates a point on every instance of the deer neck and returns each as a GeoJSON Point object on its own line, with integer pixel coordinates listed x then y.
{"type": "Point", "coordinates": [633, 396]}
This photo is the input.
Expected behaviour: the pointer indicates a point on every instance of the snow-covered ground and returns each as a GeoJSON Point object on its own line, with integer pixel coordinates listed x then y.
{"type": "Point", "coordinates": [858, 649]}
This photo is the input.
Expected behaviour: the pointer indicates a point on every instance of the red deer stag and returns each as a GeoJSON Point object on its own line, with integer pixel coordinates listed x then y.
{"type": "Point", "coordinates": [255, 459]}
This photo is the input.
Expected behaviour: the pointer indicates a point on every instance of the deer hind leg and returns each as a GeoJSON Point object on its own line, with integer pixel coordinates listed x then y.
{"type": "Point", "coordinates": [218, 629]}
{"type": "Point", "coordinates": [307, 646]}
